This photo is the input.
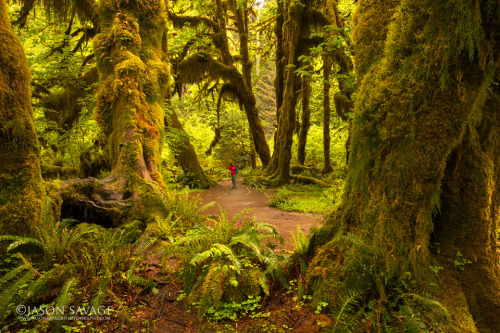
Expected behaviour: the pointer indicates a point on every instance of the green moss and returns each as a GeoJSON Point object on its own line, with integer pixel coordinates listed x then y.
{"type": "Point", "coordinates": [22, 192]}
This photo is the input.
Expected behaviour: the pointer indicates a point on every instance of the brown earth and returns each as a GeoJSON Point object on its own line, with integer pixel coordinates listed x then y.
{"type": "Point", "coordinates": [243, 197]}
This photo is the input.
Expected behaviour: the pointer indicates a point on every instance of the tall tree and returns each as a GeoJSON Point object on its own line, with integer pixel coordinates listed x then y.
{"type": "Point", "coordinates": [425, 160]}
{"type": "Point", "coordinates": [21, 187]}
{"type": "Point", "coordinates": [299, 19]}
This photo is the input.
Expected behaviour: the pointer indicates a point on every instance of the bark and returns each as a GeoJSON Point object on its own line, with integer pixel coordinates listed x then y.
{"type": "Point", "coordinates": [327, 65]}
{"type": "Point", "coordinates": [305, 123]}
{"type": "Point", "coordinates": [280, 57]}
{"type": "Point", "coordinates": [21, 187]}
{"type": "Point", "coordinates": [424, 161]}
{"type": "Point", "coordinates": [294, 32]}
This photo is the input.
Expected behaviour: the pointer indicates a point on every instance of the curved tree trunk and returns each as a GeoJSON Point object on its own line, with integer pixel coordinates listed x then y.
{"type": "Point", "coordinates": [194, 68]}
{"type": "Point", "coordinates": [424, 163]}
{"type": "Point", "coordinates": [21, 187]}
{"type": "Point", "coordinates": [183, 150]}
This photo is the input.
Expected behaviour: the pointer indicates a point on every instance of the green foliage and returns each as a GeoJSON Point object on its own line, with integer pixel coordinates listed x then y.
{"type": "Point", "coordinates": [307, 198]}
{"type": "Point", "coordinates": [460, 261]}
{"type": "Point", "coordinates": [233, 310]}
{"type": "Point", "coordinates": [184, 214]}
{"type": "Point", "coordinates": [222, 262]}
{"type": "Point", "coordinates": [366, 295]}
{"type": "Point", "coordinates": [82, 263]}
{"type": "Point", "coordinates": [297, 262]}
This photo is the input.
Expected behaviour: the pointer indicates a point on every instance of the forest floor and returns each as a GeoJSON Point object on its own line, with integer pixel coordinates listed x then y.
{"type": "Point", "coordinates": [281, 311]}
{"type": "Point", "coordinates": [256, 203]}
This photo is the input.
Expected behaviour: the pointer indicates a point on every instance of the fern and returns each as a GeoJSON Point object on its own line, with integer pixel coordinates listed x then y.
{"type": "Point", "coordinates": [217, 256]}
{"type": "Point", "coordinates": [20, 241]}
{"type": "Point", "coordinates": [347, 306]}
{"type": "Point", "coordinates": [100, 294]}
{"type": "Point", "coordinates": [12, 274]}
{"type": "Point", "coordinates": [66, 292]}
{"type": "Point", "coordinates": [11, 290]}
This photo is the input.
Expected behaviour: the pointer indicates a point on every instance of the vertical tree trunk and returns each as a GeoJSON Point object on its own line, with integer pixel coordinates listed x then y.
{"type": "Point", "coordinates": [21, 187]}
{"type": "Point", "coordinates": [280, 168]}
{"type": "Point", "coordinates": [327, 65]}
{"type": "Point", "coordinates": [305, 123]}
{"type": "Point", "coordinates": [425, 150]}
{"type": "Point", "coordinates": [280, 67]}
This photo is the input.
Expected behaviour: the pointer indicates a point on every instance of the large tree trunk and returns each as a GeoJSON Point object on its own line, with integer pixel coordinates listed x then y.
{"type": "Point", "coordinates": [134, 79]}
{"type": "Point", "coordinates": [424, 166]}
{"type": "Point", "coordinates": [21, 187]}
{"type": "Point", "coordinates": [279, 80]}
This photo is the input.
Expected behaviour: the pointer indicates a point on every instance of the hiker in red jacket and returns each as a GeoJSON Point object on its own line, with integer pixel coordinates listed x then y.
{"type": "Point", "coordinates": [233, 169]}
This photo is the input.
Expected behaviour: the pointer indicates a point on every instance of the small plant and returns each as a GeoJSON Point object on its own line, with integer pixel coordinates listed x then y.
{"type": "Point", "coordinates": [231, 311]}
{"type": "Point", "coordinates": [299, 258]}
{"type": "Point", "coordinates": [460, 261]}
{"type": "Point", "coordinates": [283, 197]}
{"type": "Point", "coordinates": [435, 269]}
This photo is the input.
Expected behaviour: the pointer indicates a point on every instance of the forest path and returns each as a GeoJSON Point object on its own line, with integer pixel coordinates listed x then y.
{"type": "Point", "coordinates": [243, 197]}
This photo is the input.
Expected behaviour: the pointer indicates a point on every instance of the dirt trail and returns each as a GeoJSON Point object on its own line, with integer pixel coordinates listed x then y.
{"type": "Point", "coordinates": [243, 197]}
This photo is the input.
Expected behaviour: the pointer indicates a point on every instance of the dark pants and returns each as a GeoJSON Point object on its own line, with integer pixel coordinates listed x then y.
{"type": "Point", "coordinates": [233, 178]}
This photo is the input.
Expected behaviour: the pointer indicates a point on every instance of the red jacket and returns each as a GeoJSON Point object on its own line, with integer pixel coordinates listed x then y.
{"type": "Point", "coordinates": [233, 170]}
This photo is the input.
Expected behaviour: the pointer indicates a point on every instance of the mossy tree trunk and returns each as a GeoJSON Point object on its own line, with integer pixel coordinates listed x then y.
{"type": "Point", "coordinates": [305, 119]}
{"type": "Point", "coordinates": [296, 28]}
{"type": "Point", "coordinates": [424, 165]}
{"type": "Point", "coordinates": [327, 65]}
{"type": "Point", "coordinates": [184, 152]}
{"type": "Point", "coordinates": [279, 80]}
{"type": "Point", "coordinates": [134, 78]}
{"type": "Point", "coordinates": [21, 187]}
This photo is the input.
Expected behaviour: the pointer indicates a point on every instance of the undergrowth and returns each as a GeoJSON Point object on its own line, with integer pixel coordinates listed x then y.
{"type": "Point", "coordinates": [69, 264]}
{"type": "Point", "coordinates": [363, 297]}
{"type": "Point", "coordinates": [226, 262]}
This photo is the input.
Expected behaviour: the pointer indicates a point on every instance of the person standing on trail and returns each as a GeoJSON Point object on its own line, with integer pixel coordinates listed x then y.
{"type": "Point", "coordinates": [233, 168]}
